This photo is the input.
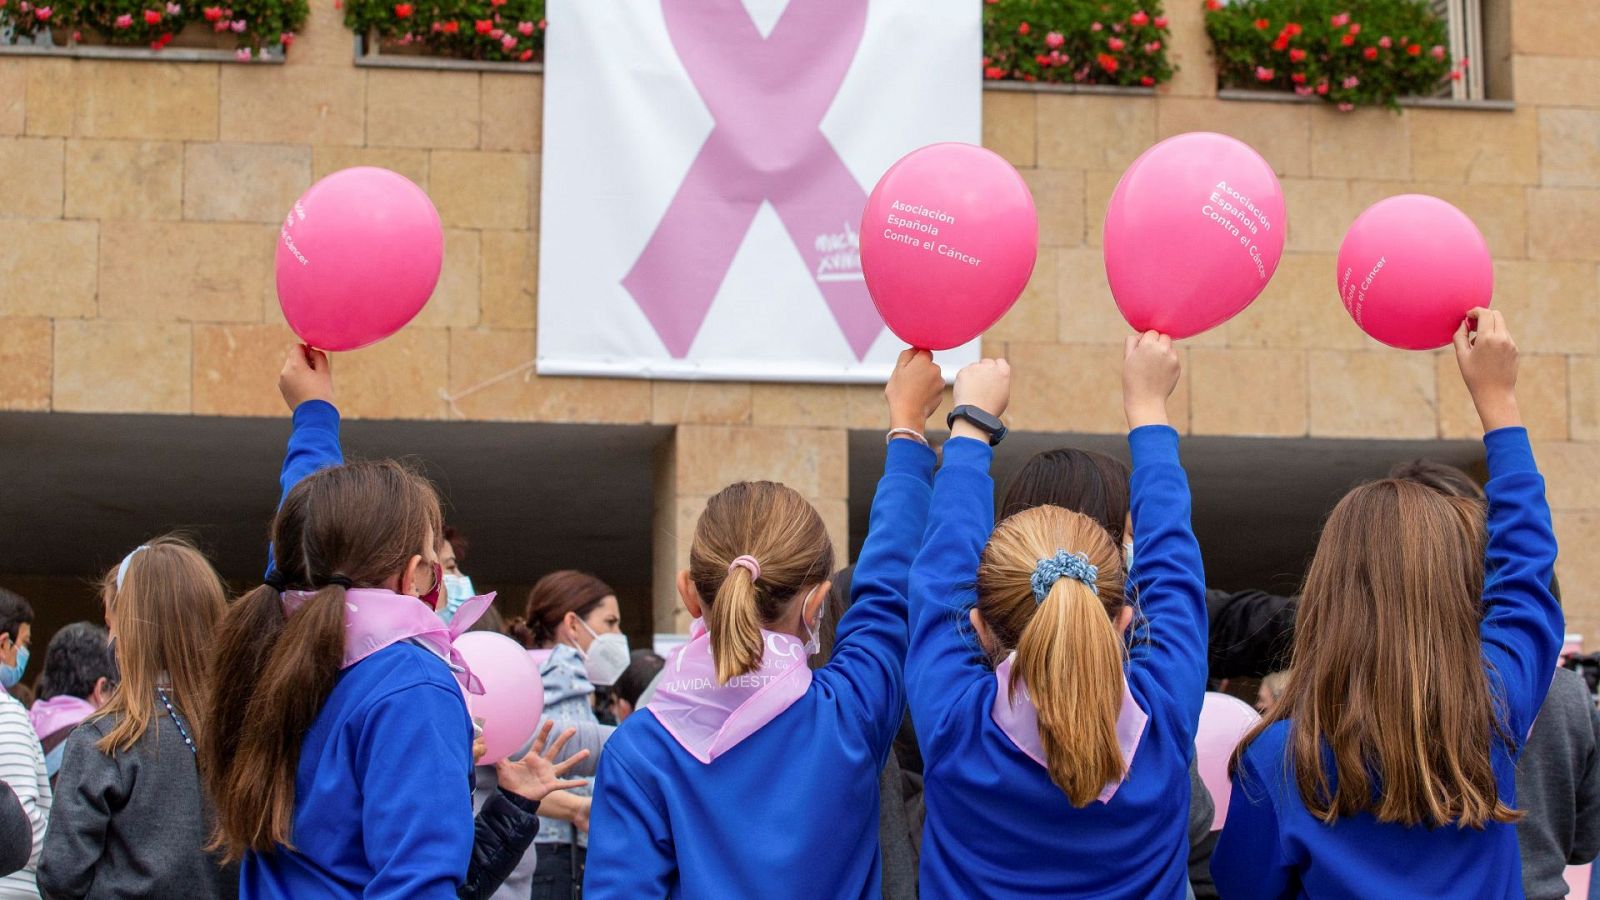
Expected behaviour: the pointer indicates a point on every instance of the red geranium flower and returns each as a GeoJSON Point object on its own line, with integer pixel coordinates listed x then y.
{"type": "Point", "coordinates": [1370, 53]}
{"type": "Point", "coordinates": [402, 10]}
{"type": "Point", "coordinates": [1281, 43]}
{"type": "Point", "coordinates": [525, 56]}
{"type": "Point", "coordinates": [212, 13]}
{"type": "Point", "coordinates": [1356, 28]}
{"type": "Point", "coordinates": [1213, 5]}
{"type": "Point", "coordinates": [451, 27]}
{"type": "Point", "coordinates": [1297, 55]}
{"type": "Point", "coordinates": [1414, 50]}
{"type": "Point", "coordinates": [483, 26]}
{"type": "Point", "coordinates": [1023, 28]}
{"type": "Point", "coordinates": [151, 17]}
{"type": "Point", "coordinates": [1147, 81]}
{"type": "Point", "coordinates": [1298, 78]}
{"type": "Point", "coordinates": [1107, 62]}
{"type": "Point", "coordinates": [1293, 29]}
{"type": "Point", "coordinates": [1115, 44]}
{"type": "Point", "coordinates": [1348, 40]}
{"type": "Point", "coordinates": [1322, 88]}
{"type": "Point", "coordinates": [1161, 22]}
{"type": "Point", "coordinates": [1263, 24]}
{"type": "Point", "coordinates": [994, 73]}
{"type": "Point", "coordinates": [1139, 19]}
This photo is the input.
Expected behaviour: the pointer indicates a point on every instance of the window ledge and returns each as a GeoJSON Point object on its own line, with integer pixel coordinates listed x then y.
{"type": "Point", "coordinates": [1036, 87]}
{"type": "Point", "coordinates": [1418, 102]}
{"type": "Point", "coordinates": [372, 59]}
{"type": "Point", "coordinates": [142, 54]}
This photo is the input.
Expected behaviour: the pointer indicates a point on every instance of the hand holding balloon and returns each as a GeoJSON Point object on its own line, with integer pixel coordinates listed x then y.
{"type": "Point", "coordinates": [307, 375]}
{"type": "Point", "coordinates": [985, 384]}
{"type": "Point", "coordinates": [1488, 359]}
{"type": "Point", "coordinates": [914, 390]}
{"type": "Point", "coordinates": [537, 774]}
{"type": "Point", "coordinates": [1150, 371]}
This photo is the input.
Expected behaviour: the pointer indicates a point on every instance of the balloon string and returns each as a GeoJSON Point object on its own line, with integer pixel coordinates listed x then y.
{"type": "Point", "coordinates": [450, 399]}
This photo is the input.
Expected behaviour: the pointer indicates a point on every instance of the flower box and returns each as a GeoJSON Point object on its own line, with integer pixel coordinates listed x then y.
{"type": "Point", "coordinates": [1113, 42]}
{"type": "Point", "coordinates": [474, 33]}
{"type": "Point", "coordinates": [1346, 52]}
{"type": "Point", "coordinates": [245, 30]}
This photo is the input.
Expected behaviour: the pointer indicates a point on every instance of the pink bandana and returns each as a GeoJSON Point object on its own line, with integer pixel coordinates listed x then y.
{"type": "Point", "coordinates": [710, 719]}
{"type": "Point", "coordinates": [375, 619]}
{"type": "Point", "coordinates": [60, 711]}
{"type": "Point", "coordinates": [1019, 720]}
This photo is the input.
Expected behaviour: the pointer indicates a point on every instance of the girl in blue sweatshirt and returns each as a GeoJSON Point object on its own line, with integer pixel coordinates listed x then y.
{"type": "Point", "coordinates": [338, 747]}
{"type": "Point", "coordinates": [748, 775]}
{"type": "Point", "coordinates": [1056, 758]}
{"type": "Point", "coordinates": [1422, 651]}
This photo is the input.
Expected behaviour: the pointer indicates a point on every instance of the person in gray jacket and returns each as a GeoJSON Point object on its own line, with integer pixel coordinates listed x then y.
{"type": "Point", "coordinates": [131, 817]}
{"type": "Point", "coordinates": [1558, 786]}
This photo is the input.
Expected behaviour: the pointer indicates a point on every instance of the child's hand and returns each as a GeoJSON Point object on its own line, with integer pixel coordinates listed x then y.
{"type": "Point", "coordinates": [1488, 360]}
{"type": "Point", "coordinates": [307, 375]}
{"type": "Point", "coordinates": [537, 774]}
{"type": "Point", "coordinates": [1149, 375]}
{"type": "Point", "coordinates": [914, 391]}
{"type": "Point", "coordinates": [985, 384]}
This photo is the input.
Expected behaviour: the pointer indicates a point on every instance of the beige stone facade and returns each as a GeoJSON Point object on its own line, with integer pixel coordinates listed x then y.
{"type": "Point", "coordinates": [137, 231]}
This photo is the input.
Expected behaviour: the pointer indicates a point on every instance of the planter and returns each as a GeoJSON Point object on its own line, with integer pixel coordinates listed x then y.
{"type": "Point", "coordinates": [1113, 43]}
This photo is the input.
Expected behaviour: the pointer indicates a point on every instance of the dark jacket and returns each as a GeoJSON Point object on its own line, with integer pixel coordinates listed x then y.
{"type": "Point", "coordinates": [502, 833]}
{"type": "Point", "coordinates": [16, 832]}
{"type": "Point", "coordinates": [1252, 633]}
{"type": "Point", "coordinates": [131, 824]}
{"type": "Point", "coordinates": [1558, 786]}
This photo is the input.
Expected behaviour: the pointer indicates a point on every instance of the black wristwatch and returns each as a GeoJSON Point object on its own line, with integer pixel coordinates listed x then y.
{"type": "Point", "coordinates": [988, 424]}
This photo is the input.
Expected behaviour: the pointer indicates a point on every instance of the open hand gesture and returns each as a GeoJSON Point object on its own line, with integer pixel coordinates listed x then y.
{"type": "Point", "coordinates": [537, 774]}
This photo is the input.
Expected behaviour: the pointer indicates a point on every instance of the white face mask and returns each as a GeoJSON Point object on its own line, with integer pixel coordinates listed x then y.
{"type": "Point", "coordinates": [607, 657]}
{"type": "Point", "coordinates": [1127, 557]}
{"type": "Point", "coordinates": [813, 635]}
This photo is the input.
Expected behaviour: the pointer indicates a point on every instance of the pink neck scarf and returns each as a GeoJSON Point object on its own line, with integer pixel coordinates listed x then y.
{"type": "Point", "coordinates": [708, 719]}
{"type": "Point", "coordinates": [376, 618]}
{"type": "Point", "coordinates": [1018, 718]}
{"type": "Point", "coordinates": [60, 711]}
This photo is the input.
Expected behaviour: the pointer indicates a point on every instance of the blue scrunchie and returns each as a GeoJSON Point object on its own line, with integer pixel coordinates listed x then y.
{"type": "Point", "coordinates": [1063, 565]}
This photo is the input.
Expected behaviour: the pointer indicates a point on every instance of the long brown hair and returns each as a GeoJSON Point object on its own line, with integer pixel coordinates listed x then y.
{"type": "Point", "coordinates": [549, 601]}
{"type": "Point", "coordinates": [363, 521]}
{"type": "Point", "coordinates": [776, 526]}
{"type": "Point", "coordinates": [1388, 665]}
{"type": "Point", "coordinates": [167, 610]}
{"type": "Point", "coordinates": [1069, 652]}
{"type": "Point", "coordinates": [1080, 480]}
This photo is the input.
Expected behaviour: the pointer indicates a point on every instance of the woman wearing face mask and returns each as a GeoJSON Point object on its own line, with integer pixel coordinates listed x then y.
{"type": "Point", "coordinates": [574, 632]}
{"type": "Point", "coordinates": [21, 759]}
{"type": "Point", "coordinates": [457, 588]}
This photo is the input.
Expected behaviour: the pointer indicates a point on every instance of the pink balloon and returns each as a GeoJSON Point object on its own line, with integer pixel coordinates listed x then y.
{"type": "Point", "coordinates": [1224, 719]}
{"type": "Point", "coordinates": [1409, 269]}
{"type": "Point", "coordinates": [1193, 233]}
{"type": "Point", "coordinates": [948, 242]}
{"type": "Point", "coordinates": [513, 696]}
{"type": "Point", "coordinates": [358, 257]}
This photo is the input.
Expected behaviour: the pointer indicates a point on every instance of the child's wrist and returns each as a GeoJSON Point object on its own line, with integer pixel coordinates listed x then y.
{"type": "Point", "coordinates": [1145, 412]}
{"type": "Point", "coordinates": [963, 428]}
{"type": "Point", "coordinates": [1498, 409]}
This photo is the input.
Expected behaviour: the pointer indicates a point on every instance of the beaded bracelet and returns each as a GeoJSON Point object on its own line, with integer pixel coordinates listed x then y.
{"type": "Point", "coordinates": [908, 432]}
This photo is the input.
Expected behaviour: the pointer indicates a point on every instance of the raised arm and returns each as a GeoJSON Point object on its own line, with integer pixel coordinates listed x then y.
{"type": "Point", "coordinates": [306, 383]}
{"type": "Point", "coordinates": [945, 658]}
{"type": "Point", "coordinates": [1168, 576]}
{"type": "Point", "coordinates": [869, 646]}
{"type": "Point", "coordinates": [1522, 623]}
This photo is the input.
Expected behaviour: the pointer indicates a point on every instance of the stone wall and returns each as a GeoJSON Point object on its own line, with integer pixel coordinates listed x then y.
{"type": "Point", "coordinates": [138, 213]}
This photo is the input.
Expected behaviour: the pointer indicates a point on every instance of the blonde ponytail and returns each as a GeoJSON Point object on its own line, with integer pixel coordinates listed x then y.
{"type": "Point", "coordinates": [736, 641]}
{"type": "Point", "coordinates": [1070, 657]}
{"type": "Point", "coordinates": [757, 548]}
{"type": "Point", "coordinates": [1050, 586]}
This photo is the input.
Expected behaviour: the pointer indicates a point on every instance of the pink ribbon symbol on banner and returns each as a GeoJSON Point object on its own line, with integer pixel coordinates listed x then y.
{"type": "Point", "coordinates": [768, 97]}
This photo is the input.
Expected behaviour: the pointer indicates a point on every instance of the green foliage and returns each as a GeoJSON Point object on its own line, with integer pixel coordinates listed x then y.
{"type": "Point", "coordinates": [504, 30]}
{"type": "Point", "coordinates": [1120, 42]}
{"type": "Point", "coordinates": [1348, 52]}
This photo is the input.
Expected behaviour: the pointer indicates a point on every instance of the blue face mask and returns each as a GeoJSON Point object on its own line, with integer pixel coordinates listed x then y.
{"type": "Point", "coordinates": [10, 675]}
{"type": "Point", "coordinates": [457, 590]}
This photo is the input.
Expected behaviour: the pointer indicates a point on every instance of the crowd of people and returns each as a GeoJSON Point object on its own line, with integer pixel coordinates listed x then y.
{"type": "Point", "coordinates": [981, 706]}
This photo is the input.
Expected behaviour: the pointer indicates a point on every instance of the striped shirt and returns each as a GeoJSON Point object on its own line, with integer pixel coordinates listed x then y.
{"type": "Point", "coordinates": [22, 768]}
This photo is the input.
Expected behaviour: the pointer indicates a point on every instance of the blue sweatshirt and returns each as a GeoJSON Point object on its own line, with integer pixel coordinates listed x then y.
{"type": "Point", "coordinates": [383, 790]}
{"type": "Point", "coordinates": [792, 811]}
{"type": "Point", "coordinates": [996, 825]}
{"type": "Point", "coordinates": [1272, 847]}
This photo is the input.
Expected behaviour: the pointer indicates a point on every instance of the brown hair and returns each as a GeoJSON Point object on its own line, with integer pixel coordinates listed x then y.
{"type": "Point", "coordinates": [167, 610]}
{"type": "Point", "coordinates": [1388, 665]}
{"type": "Point", "coordinates": [776, 526]}
{"type": "Point", "coordinates": [1069, 652]}
{"type": "Point", "coordinates": [1080, 480]}
{"type": "Point", "coordinates": [363, 521]}
{"type": "Point", "coordinates": [549, 601]}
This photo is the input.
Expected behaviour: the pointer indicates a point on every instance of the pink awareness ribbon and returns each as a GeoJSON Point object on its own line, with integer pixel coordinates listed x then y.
{"type": "Point", "coordinates": [768, 97]}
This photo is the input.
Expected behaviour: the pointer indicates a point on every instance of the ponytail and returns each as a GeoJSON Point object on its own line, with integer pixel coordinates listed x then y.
{"type": "Point", "coordinates": [290, 678]}
{"type": "Point", "coordinates": [757, 546]}
{"type": "Point", "coordinates": [1070, 658]}
{"type": "Point", "coordinates": [732, 619]}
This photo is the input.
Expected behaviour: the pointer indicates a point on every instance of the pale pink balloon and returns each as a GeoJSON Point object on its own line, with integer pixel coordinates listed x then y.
{"type": "Point", "coordinates": [1193, 233]}
{"type": "Point", "coordinates": [1409, 269]}
{"type": "Point", "coordinates": [948, 242]}
{"type": "Point", "coordinates": [513, 695]}
{"type": "Point", "coordinates": [358, 256]}
{"type": "Point", "coordinates": [1224, 719]}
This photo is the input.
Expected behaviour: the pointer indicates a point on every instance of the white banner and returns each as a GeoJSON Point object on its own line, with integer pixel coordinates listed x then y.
{"type": "Point", "coordinates": [706, 164]}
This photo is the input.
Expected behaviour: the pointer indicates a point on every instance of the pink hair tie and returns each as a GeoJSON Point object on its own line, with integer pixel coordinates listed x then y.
{"type": "Point", "coordinates": [747, 563]}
